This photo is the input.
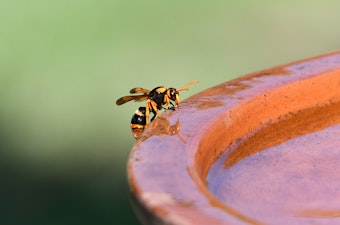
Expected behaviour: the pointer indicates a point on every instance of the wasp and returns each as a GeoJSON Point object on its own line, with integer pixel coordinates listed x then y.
{"type": "Point", "coordinates": [156, 99]}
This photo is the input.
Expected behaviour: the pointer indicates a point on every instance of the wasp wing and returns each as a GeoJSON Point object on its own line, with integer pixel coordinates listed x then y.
{"type": "Point", "coordinates": [139, 90]}
{"type": "Point", "coordinates": [136, 98]}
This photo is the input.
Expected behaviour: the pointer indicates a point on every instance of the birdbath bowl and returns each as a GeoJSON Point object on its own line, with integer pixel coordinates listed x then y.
{"type": "Point", "coordinates": [260, 149]}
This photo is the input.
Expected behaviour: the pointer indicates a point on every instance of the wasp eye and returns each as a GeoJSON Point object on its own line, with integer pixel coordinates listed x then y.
{"type": "Point", "coordinates": [172, 93]}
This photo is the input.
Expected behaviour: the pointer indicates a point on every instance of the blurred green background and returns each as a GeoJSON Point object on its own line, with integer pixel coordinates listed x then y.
{"type": "Point", "coordinates": [64, 143]}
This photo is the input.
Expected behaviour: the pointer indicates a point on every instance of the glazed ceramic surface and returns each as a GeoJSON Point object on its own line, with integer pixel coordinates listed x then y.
{"type": "Point", "coordinates": [260, 149]}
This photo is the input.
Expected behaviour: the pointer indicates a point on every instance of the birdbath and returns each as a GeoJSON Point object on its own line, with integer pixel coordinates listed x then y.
{"type": "Point", "coordinates": [261, 149]}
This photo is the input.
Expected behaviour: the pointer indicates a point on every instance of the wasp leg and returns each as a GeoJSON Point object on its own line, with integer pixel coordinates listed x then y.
{"type": "Point", "coordinates": [154, 109]}
{"type": "Point", "coordinates": [147, 112]}
{"type": "Point", "coordinates": [154, 116]}
{"type": "Point", "coordinates": [166, 102]}
{"type": "Point", "coordinates": [173, 107]}
{"type": "Point", "coordinates": [151, 106]}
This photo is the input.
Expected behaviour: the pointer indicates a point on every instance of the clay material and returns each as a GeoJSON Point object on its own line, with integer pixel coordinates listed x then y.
{"type": "Point", "coordinates": [260, 149]}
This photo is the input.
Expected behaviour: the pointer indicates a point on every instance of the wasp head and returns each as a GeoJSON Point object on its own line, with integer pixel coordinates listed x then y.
{"type": "Point", "coordinates": [173, 95]}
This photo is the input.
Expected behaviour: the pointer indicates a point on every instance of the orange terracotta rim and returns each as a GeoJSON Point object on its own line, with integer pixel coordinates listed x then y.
{"type": "Point", "coordinates": [169, 168]}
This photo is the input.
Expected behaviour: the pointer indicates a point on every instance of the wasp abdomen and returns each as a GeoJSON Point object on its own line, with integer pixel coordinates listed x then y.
{"type": "Point", "coordinates": [139, 117]}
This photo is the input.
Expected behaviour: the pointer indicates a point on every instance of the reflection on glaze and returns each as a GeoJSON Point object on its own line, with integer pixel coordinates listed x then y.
{"type": "Point", "coordinates": [162, 127]}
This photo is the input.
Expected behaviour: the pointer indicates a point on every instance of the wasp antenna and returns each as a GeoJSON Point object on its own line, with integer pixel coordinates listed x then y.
{"type": "Point", "coordinates": [185, 87]}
